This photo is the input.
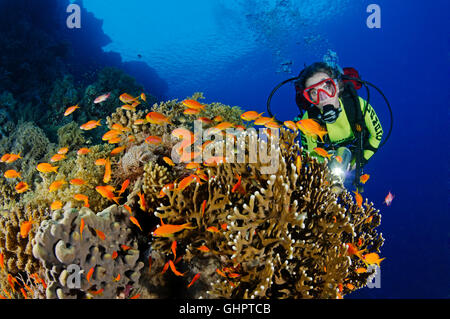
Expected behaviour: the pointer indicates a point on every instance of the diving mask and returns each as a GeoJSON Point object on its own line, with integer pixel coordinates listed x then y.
{"type": "Point", "coordinates": [314, 92]}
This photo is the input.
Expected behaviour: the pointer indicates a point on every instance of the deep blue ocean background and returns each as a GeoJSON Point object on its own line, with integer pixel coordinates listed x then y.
{"type": "Point", "coordinates": [236, 52]}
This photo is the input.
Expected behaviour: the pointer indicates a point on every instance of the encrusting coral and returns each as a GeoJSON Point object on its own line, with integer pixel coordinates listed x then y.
{"type": "Point", "coordinates": [105, 252]}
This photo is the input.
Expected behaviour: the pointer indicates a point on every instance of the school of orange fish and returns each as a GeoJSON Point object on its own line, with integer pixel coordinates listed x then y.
{"type": "Point", "coordinates": [114, 136]}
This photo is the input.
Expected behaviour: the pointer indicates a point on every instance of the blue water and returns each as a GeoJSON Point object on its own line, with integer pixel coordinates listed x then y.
{"type": "Point", "coordinates": [233, 52]}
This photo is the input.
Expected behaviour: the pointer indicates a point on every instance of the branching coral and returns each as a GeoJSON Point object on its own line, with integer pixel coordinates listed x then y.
{"type": "Point", "coordinates": [73, 167]}
{"type": "Point", "coordinates": [16, 250]}
{"type": "Point", "coordinates": [33, 145]}
{"type": "Point", "coordinates": [103, 274]}
{"type": "Point", "coordinates": [283, 237]}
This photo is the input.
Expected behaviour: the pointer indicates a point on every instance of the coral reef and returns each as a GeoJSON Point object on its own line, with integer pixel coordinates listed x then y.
{"type": "Point", "coordinates": [73, 167]}
{"type": "Point", "coordinates": [284, 237]}
{"type": "Point", "coordinates": [241, 232]}
{"type": "Point", "coordinates": [70, 135]}
{"type": "Point", "coordinates": [59, 244]}
{"type": "Point", "coordinates": [16, 250]}
{"type": "Point", "coordinates": [32, 143]}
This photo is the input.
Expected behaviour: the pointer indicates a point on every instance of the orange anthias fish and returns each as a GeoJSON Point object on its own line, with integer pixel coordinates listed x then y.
{"type": "Point", "coordinates": [128, 107]}
{"type": "Point", "coordinates": [142, 202]}
{"type": "Point", "coordinates": [11, 173]}
{"type": "Point", "coordinates": [2, 261]}
{"type": "Point", "coordinates": [298, 164]}
{"type": "Point", "coordinates": [196, 277]}
{"type": "Point", "coordinates": [364, 178]}
{"type": "Point", "coordinates": [263, 120]}
{"type": "Point", "coordinates": [5, 157]}
{"type": "Point", "coordinates": [311, 128]}
{"type": "Point", "coordinates": [106, 192]}
{"type": "Point", "coordinates": [167, 230]}
{"type": "Point", "coordinates": [358, 199]}
{"type": "Point", "coordinates": [361, 270]}
{"type": "Point", "coordinates": [165, 188]}
{"type": "Point", "coordinates": [193, 104]}
{"type": "Point", "coordinates": [174, 270]}
{"type": "Point", "coordinates": [56, 185]}
{"type": "Point", "coordinates": [115, 140]}
{"type": "Point", "coordinates": [81, 228]}
{"type": "Point", "coordinates": [214, 160]}
{"type": "Point", "coordinates": [63, 150]}
{"type": "Point", "coordinates": [89, 274]}
{"type": "Point", "coordinates": [185, 182]}
{"type": "Point", "coordinates": [46, 168]}
{"type": "Point", "coordinates": [251, 115]}
{"type": "Point", "coordinates": [205, 120]}
{"type": "Point", "coordinates": [83, 198]}
{"type": "Point", "coordinates": [100, 161]}
{"type": "Point", "coordinates": [83, 151]}
{"type": "Point", "coordinates": [114, 255]}
{"type": "Point", "coordinates": [191, 111]}
{"type": "Point", "coordinates": [168, 160]}
{"type": "Point", "coordinates": [272, 124]}
{"type": "Point", "coordinates": [291, 125]}
{"type": "Point", "coordinates": [338, 159]}
{"type": "Point", "coordinates": [120, 127]}
{"type": "Point", "coordinates": [57, 204]}
{"type": "Point", "coordinates": [143, 97]}
{"type": "Point", "coordinates": [12, 158]}
{"type": "Point", "coordinates": [322, 152]}
{"type": "Point", "coordinates": [135, 221]}
{"type": "Point", "coordinates": [212, 229]}
{"type": "Point", "coordinates": [77, 181]}
{"type": "Point", "coordinates": [203, 207]}
{"type": "Point", "coordinates": [57, 157]}
{"type": "Point", "coordinates": [237, 186]}
{"type": "Point", "coordinates": [203, 248]}
{"type": "Point", "coordinates": [125, 247]}
{"type": "Point", "coordinates": [21, 187]}
{"type": "Point", "coordinates": [111, 134]}
{"type": "Point", "coordinates": [127, 98]}
{"type": "Point", "coordinates": [102, 98]}
{"type": "Point", "coordinates": [192, 165]}
{"type": "Point", "coordinates": [173, 247]}
{"type": "Point", "coordinates": [153, 140]}
{"type": "Point", "coordinates": [117, 150]}
{"type": "Point", "coordinates": [124, 186]}
{"type": "Point", "coordinates": [25, 228]}
{"type": "Point", "coordinates": [157, 118]}
{"type": "Point", "coordinates": [388, 199]}
{"type": "Point", "coordinates": [372, 258]}
{"type": "Point", "coordinates": [128, 208]}
{"type": "Point", "coordinates": [223, 126]}
{"type": "Point", "coordinates": [100, 234]}
{"type": "Point", "coordinates": [70, 110]}
{"type": "Point", "coordinates": [90, 125]}
{"type": "Point", "coordinates": [107, 176]}
{"type": "Point", "coordinates": [352, 250]}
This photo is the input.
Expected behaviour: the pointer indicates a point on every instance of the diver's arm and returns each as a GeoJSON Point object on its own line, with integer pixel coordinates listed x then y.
{"type": "Point", "coordinates": [374, 129]}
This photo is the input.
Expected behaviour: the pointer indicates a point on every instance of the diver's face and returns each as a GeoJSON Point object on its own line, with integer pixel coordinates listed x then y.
{"type": "Point", "coordinates": [316, 94]}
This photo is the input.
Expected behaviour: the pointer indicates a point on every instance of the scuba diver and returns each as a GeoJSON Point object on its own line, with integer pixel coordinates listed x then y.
{"type": "Point", "coordinates": [328, 95]}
